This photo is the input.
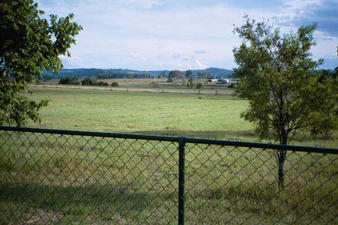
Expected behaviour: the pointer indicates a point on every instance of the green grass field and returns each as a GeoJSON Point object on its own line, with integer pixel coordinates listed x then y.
{"type": "Point", "coordinates": [206, 116]}
{"type": "Point", "coordinates": [144, 112]}
{"type": "Point", "coordinates": [84, 180]}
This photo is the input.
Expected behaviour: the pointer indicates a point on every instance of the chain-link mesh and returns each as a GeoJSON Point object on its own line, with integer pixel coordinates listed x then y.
{"type": "Point", "coordinates": [239, 185]}
{"type": "Point", "coordinates": [65, 179]}
{"type": "Point", "coordinates": [52, 178]}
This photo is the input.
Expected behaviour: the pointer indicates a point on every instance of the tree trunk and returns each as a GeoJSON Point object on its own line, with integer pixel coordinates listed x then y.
{"type": "Point", "coordinates": [281, 161]}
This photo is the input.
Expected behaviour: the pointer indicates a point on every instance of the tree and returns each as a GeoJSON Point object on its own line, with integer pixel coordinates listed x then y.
{"type": "Point", "coordinates": [207, 75]}
{"type": "Point", "coordinates": [175, 74]}
{"type": "Point", "coordinates": [324, 120]}
{"type": "Point", "coordinates": [70, 80]}
{"type": "Point", "coordinates": [188, 74]}
{"type": "Point", "coordinates": [190, 83]}
{"type": "Point", "coordinates": [89, 82]}
{"type": "Point", "coordinates": [278, 77]}
{"type": "Point", "coordinates": [199, 75]}
{"type": "Point", "coordinates": [28, 45]}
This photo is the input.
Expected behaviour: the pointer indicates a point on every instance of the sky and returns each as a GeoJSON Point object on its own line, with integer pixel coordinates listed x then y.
{"type": "Point", "coordinates": [184, 34]}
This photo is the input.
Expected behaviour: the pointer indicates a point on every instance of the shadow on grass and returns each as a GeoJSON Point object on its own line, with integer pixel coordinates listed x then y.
{"type": "Point", "coordinates": [27, 203]}
{"type": "Point", "coordinates": [20, 203]}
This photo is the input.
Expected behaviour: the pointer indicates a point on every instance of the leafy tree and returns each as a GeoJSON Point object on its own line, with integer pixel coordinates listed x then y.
{"type": "Point", "coordinates": [28, 45]}
{"type": "Point", "coordinates": [161, 75]}
{"type": "Point", "coordinates": [102, 83]}
{"type": "Point", "coordinates": [188, 74]}
{"type": "Point", "coordinates": [324, 120]}
{"type": "Point", "coordinates": [175, 74]}
{"type": "Point", "coordinates": [70, 80]}
{"type": "Point", "coordinates": [277, 75]}
{"type": "Point", "coordinates": [114, 84]}
{"type": "Point", "coordinates": [89, 82]}
{"type": "Point", "coordinates": [190, 83]}
{"type": "Point", "coordinates": [207, 75]}
{"type": "Point", "coordinates": [199, 86]}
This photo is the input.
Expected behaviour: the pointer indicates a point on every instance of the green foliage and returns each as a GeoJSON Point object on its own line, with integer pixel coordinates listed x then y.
{"type": "Point", "coordinates": [92, 82]}
{"type": "Point", "coordinates": [278, 77]}
{"type": "Point", "coordinates": [231, 85]}
{"type": "Point", "coordinates": [89, 82]}
{"type": "Point", "coordinates": [102, 83]}
{"type": "Point", "coordinates": [207, 75]}
{"type": "Point", "coordinates": [188, 74]}
{"type": "Point", "coordinates": [323, 120]}
{"type": "Point", "coordinates": [199, 86]}
{"type": "Point", "coordinates": [204, 75]}
{"type": "Point", "coordinates": [114, 84]}
{"type": "Point", "coordinates": [169, 80]}
{"type": "Point", "coordinates": [28, 45]}
{"type": "Point", "coordinates": [190, 83]}
{"type": "Point", "coordinates": [175, 74]}
{"type": "Point", "coordinates": [70, 80]}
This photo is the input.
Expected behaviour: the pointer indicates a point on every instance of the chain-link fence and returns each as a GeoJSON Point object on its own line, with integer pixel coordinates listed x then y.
{"type": "Point", "coordinates": [73, 177]}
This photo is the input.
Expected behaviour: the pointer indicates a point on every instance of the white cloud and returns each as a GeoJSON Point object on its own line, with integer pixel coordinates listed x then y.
{"type": "Point", "coordinates": [147, 4]}
{"type": "Point", "coordinates": [292, 10]}
{"type": "Point", "coordinates": [326, 46]}
{"type": "Point", "coordinates": [144, 34]}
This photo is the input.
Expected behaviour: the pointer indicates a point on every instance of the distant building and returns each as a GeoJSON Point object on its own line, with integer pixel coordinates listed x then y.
{"type": "Point", "coordinates": [214, 80]}
{"type": "Point", "coordinates": [231, 80]}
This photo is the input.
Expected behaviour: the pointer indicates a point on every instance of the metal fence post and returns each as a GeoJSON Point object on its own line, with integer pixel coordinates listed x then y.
{"type": "Point", "coordinates": [181, 160]}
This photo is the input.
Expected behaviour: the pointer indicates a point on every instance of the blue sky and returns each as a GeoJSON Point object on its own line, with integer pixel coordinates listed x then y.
{"type": "Point", "coordinates": [183, 34]}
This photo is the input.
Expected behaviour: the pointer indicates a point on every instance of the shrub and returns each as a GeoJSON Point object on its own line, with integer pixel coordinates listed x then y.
{"type": "Point", "coordinates": [70, 80]}
{"type": "Point", "coordinates": [232, 85]}
{"type": "Point", "coordinates": [89, 82]}
{"type": "Point", "coordinates": [102, 83]}
{"type": "Point", "coordinates": [199, 86]}
{"type": "Point", "coordinates": [169, 80]}
{"type": "Point", "coordinates": [114, 84]}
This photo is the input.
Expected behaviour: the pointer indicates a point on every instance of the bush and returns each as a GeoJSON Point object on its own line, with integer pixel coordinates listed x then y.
{"type": "Point", "coordinates": [70, 80]}
{"type": "Point", "coordinates": [232, 85]}
{"type": "Point", "coordinates": [114, 84]}
{"type": "Point", "coordinates": [199, 86]}
{"type": "Point", "coordinates": [89, 82]}
{"type": "Point", "coordinates": [169, 80]}
{"type": "Point", "coordinates": [102, 83]}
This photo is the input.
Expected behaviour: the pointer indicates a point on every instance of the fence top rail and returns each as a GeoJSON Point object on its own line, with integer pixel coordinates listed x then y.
{"type": "Point", "coordinates": [174, 139]}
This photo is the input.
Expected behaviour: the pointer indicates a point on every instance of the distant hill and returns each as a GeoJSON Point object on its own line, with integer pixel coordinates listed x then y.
{"type": "Point", "coordinates": [215, 72]}
{"type": "Point", "coordinates": [126, 73]}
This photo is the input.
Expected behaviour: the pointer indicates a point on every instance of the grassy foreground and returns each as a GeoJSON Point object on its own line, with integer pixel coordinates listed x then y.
{"type": "Point", "coordinates": [61, 179]}
{"type": "Point", "coordinates": [84, 180]}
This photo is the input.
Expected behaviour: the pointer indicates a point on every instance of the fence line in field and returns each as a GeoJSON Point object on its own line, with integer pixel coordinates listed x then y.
{"type": "Point", "coordinates": [141, 89]}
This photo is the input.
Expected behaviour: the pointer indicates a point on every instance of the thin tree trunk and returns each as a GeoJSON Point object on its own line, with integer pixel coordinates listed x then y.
{"type": "Point", "coordinates": [282, 140]}
{"type": "Point", "coordinates": [281, 161]}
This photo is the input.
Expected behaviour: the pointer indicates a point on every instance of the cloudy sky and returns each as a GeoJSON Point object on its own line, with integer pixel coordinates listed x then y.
{"type": "Point", "coordinates": [183, 34]}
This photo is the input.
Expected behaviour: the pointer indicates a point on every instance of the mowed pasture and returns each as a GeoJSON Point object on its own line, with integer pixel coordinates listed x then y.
{"type": "Point", "coordinates": [214, 116]}
{"type": "Point", "coordinates": [86, 180]}
{"type": "Point", "coordinates": [179, 114]}
{"type": "Point", "coordinates": [149, 85]}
